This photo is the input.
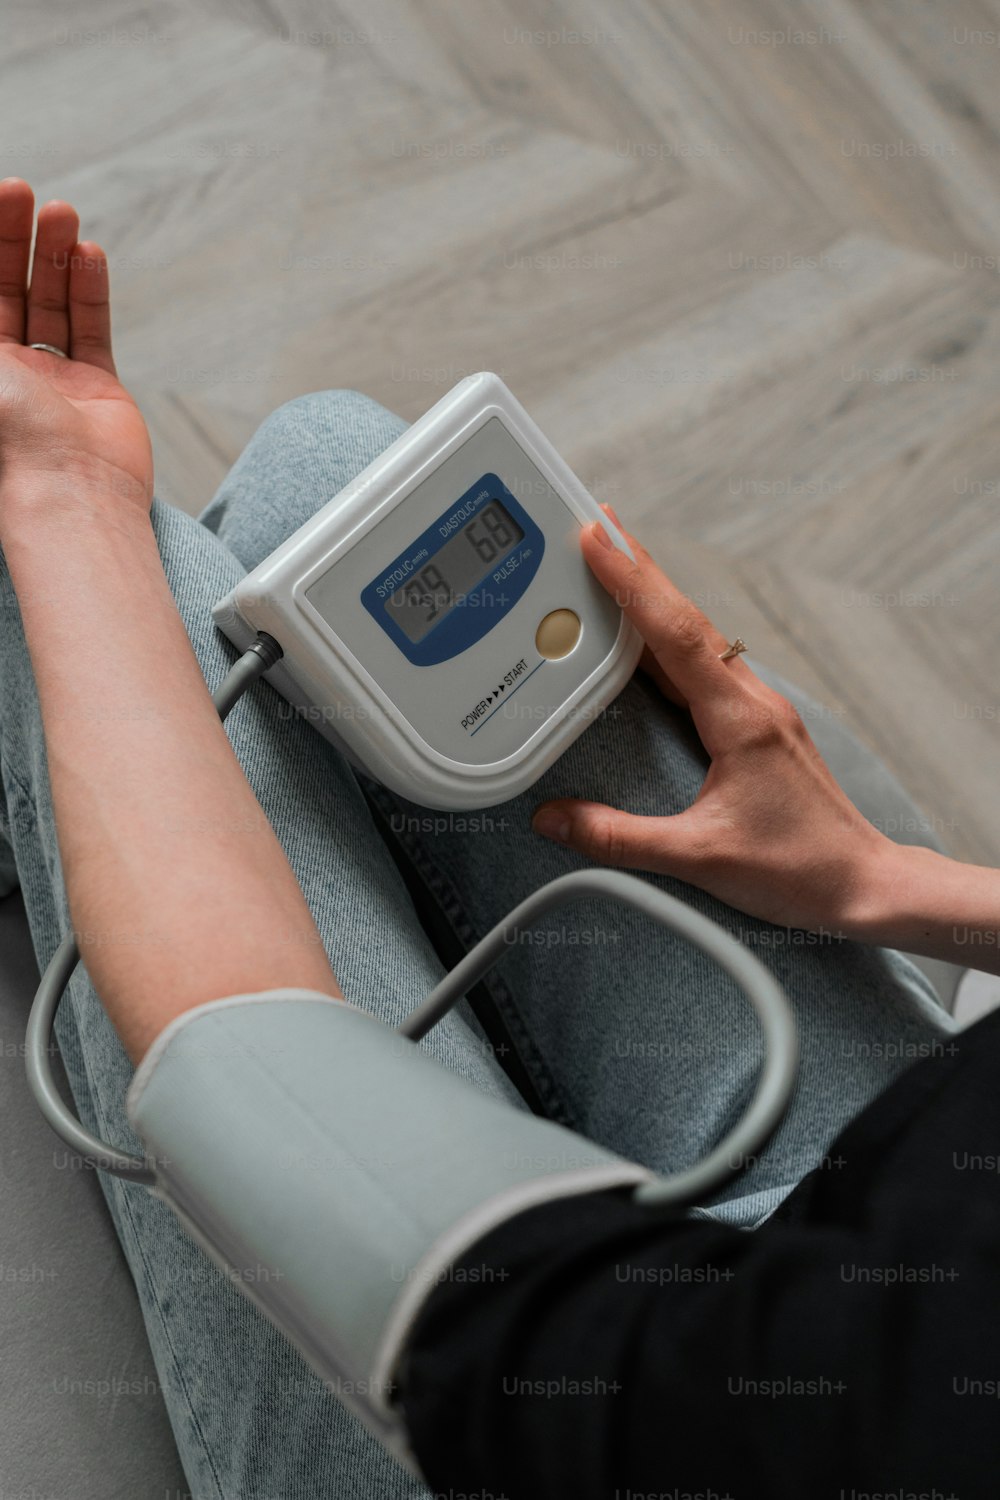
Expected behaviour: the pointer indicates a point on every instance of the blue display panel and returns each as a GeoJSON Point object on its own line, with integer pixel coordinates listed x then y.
{"type": "Point", "coordinates": [460, 577]}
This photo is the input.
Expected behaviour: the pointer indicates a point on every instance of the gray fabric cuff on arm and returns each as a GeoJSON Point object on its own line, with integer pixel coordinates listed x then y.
{"type": "Point", "coordinates": [336, 1170]}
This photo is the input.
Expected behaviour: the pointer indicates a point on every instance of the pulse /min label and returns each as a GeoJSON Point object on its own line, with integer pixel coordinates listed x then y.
{"type": "Point", "coordinates": [488, 703]}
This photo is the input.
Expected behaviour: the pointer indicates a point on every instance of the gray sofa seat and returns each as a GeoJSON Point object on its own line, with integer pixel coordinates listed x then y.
{"type": "Point", "coordinates": [81, 1413]}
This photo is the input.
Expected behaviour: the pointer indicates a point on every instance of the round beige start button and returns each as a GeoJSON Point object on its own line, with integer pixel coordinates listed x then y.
{"type": "Point", "coordinates": [558, 633]}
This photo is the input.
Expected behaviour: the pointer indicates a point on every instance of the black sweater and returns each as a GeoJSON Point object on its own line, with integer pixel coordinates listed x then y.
{"type": "Point", "coordinates": [848, 1348]}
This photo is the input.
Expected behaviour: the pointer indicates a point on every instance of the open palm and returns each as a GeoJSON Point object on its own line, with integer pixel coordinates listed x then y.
{"type": "Point", "coordinates": [63, 422]}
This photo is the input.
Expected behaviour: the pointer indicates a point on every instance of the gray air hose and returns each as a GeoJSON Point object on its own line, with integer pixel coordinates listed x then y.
{"type": "Point", "coordinates": [774, 1086]}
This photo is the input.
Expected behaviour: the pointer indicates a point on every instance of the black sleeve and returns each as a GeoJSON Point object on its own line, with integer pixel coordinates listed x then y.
{"type": "Point", "coordinates": [590, 1349]}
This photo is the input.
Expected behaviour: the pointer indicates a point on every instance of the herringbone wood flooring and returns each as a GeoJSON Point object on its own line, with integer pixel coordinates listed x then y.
{"type": "Point", "coordinates": [742, 260]}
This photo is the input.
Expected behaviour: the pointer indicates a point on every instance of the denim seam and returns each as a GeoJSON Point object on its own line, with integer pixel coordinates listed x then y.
{"type": "Point", "coordinates": [103, 1130]}
{"type": "Point", "coordinates": [26, 802]}
{"type": "Point", "coordinates": [443, 891]}
{"type": "Point", "coordinates": [22, 786]}
{"type": "Point", "coordinates": [182, 1385]}
{"type": "Point", "coordinates": [502, 997]}
{"type": "Point", "coordinates": [122, 1194]}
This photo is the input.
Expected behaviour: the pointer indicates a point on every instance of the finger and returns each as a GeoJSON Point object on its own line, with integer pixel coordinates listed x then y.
{"type": "Point", "coordinates": [90, 307]}
{"type": "Point", "coordinates": [647, 661]}
{"type": "Point", "coordinates": [684, 641]}
{"type": "Point", "coordinates": [666, 845]}
{"type": "Point", "coordinates": [17, 214]}
{"type": "Point", "coordinates": [652, 668]}
{"type": "Point", "coordinates": [641, 553]}
{"type": "Point", "coordinates": [48, 310]}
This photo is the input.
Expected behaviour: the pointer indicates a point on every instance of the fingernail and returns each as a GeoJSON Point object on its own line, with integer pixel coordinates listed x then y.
{"type": "Point", "coordinates": [598, 531]}
{"type": "Point", "coordinates": [552, 824]}
{"type": "Point", "coordinates": [611, 513]}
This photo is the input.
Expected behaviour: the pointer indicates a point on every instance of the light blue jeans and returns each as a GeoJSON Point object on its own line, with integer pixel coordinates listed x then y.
{"type": "Point", "coordinates": [627, 1034]}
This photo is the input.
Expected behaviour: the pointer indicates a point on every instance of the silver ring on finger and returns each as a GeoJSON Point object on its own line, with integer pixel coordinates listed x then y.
{"type": "Point", "coordinates": [736, 649]}
{"type": "Point", "coordinates": [50, 349]}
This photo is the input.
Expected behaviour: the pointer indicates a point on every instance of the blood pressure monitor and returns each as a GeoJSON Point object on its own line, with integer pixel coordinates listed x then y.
{"type": "Point", "coordinates": [438, 621]}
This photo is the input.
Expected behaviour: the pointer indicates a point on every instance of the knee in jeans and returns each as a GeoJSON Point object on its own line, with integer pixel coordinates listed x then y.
{"type": "Point", "coordinates": [299, 458]}
{"type": "Point", "coordinates": [335, 410]}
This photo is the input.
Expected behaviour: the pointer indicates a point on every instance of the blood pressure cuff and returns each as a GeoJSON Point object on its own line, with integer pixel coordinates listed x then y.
{"type": "Point", "coordinates": [337, 1171]}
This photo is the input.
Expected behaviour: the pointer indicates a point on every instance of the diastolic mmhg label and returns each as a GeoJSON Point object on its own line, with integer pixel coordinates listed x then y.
{"type": "Point", "coordinates": [459, 577]}
{"type": "Point", "coordinates": [442, 582]}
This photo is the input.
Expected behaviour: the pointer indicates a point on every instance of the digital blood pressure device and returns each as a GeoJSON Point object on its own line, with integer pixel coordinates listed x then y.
{"type": "Point", "coordinates": [437, 619]}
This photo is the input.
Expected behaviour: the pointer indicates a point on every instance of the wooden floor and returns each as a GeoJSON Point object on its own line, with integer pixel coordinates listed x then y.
{"type": "Point", "coordinates": [742, 260]}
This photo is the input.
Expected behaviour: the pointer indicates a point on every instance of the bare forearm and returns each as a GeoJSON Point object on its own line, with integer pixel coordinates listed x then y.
{"type": "Point", "coordinates": [178, 887]}
{"type": "Point", "coordinates": [923, 902]}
